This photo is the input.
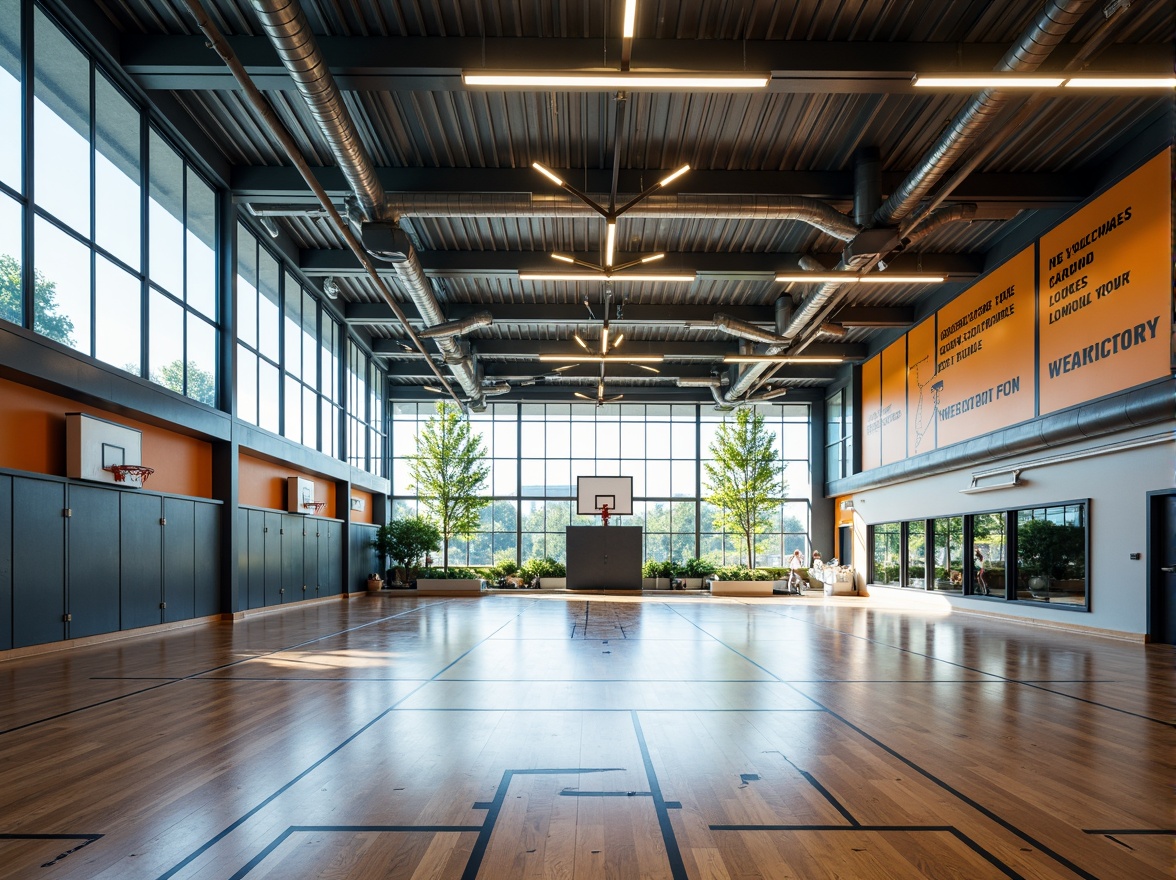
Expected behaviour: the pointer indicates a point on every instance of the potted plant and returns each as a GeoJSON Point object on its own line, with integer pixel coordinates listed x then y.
{"type": "Point", "coordinates": [453, 581]}
{"type": "Point", "coordinates": [654, 572]}
{"type": "Point", "coordinates": [739, 580]}
{"type": "Point", "coordinates": [405, 541]}
{"type": "Point", "coordinates": [695, 571]}
{"type": "Point", "coordinates": [375, 583]}
{"type": "Point", "coordinates": [545, 573]}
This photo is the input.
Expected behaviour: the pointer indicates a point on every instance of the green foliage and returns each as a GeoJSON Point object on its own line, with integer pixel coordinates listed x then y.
{"type": "Point", "coordinates": [448, 471]}
{"type": "Point", "coordinates": [49, 323]}
{"type": "Point", "coordinates": [505, 565]}
{"type": "Point", "coordinates": [406, 540]}
{"type": "Point", "coordinates": [201, 383]}
{"type": "Point", "coordinates": [542, 568]}
{"type": "Point", "coordinates": [457, 573]}
{"type": "Point", "coordinates": [654, 569]}
{"type": "Point", "coordinates": [743, 573]}
{"type": "Point", "coordinates": [743, 481]}
{"type": "Point", "coordinates": [695, 568]}
{"type": "Point", "coordinates": [1050, 549]}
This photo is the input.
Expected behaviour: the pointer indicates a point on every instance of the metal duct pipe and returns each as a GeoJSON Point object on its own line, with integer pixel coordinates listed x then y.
{"type": "Point", "coordinates": [936, 219]}
{"type": "Point", "coordinates": [745, 330]}
{"type": "Point", "coordinates": [289, 31]}
{"type": "Point", "coordinates": [1047, 31]}
{"type": "Point", "coordinates": [714, 384]}
{"type": "Point", "coordinates": [662, 206]}
{"type": "Point", "coordinates": [766, 396]}
{"type": "Point", "coordinates": [496, 390]}
{"type": "Point", "coordinates": [458, 327]}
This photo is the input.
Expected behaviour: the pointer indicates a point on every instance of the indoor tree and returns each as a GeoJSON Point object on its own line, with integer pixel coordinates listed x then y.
{"type": "Point", "coordinates": [405, 541]}
{"type": "Point", "coordinates": [744, 478]}
{"type": "Point", "coordinates": [448, 471]}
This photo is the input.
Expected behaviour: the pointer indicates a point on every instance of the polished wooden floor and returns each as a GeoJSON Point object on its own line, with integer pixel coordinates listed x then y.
{"type": "Point", "coordinates": [591, 737]}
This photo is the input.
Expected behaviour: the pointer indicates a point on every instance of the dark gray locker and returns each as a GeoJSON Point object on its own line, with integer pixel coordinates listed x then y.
{"type": "Point", "coordinates": [93, 583]}
{"type": "Point", "coordinates": [5, 562]}
{"type": "Point", "coordinates": [179, 559]}
{"type": "Point", "coordinates": [207, 586]}
{"type": "Point", "coordinates": [335, 554]}
{"type": "Point", "coordinates": [142, 560]}
{"type": "Point", "coordinates": [310, 554]}
{"type": "Point", "coordinates": [38, 562]}
{"type": "Point", "coordinates": [323, 581]}
{"type": "Point", "coordinates": [257, 535]}
{"type": "Point", "coordinates": [273, 559]}
{"type": "Point", "coordinates": [292, 558]}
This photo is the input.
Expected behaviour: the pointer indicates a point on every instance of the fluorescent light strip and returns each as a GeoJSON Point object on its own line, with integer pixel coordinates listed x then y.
{"type": "Point", "coordinates": [600, 359]}
{"type": "Point", "coordinates": [610, 242]}
{"type": "Point", "coordinates": [674, 175]}
{"type": "Point", "coordinates": [616, 80]}
{"type": "Point", "coordinates": [599, 276]}
{"type": "Point", "coordinates": [563, 257]}
{"type": "Point", "coordinates": [777, 359]}
{"type": "Point", "coordinates": [1013, 81]}
{"type": "Point", "coordinates": [630, 19]}
{"type": "Point", "coordinates": [851, 278]}
{"type": "Point", "coordinates": [548, 173]}
{"type": "Point", "coordinates": [1122, 82]}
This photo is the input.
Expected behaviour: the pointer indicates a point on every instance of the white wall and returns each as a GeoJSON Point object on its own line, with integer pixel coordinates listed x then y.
{"type": "Point", "coordinates": [1116, 484]}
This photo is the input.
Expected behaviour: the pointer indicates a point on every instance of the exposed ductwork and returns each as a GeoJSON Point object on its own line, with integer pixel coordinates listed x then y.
{"type": "Point", "coordinates": [496, 390]}
{"type": "Point", "coordinates": [933, 221]}
{"type": "Point", "coordinates": [288, 29]}
{"type": "Point", "coordinates": [746, 330]}
{"type": "Point", "coordinates": [458, 327]}
{"type": "Point", "coordinates": [1049, 28]}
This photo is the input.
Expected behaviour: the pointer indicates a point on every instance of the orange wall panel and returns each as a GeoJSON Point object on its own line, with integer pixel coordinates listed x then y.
{"type": "Point", "coordinates": [921, 391]}
{"type": "Point", "coordinates": [32, 438]}
{"type": "Point", "coordinates": [872, 412]}
{"type": "Point", "coordinates": [894, 388]}
{"type": "Point", "coordinates": [365, 515]}
{"type": "Point", "coordinates": [263, 484]}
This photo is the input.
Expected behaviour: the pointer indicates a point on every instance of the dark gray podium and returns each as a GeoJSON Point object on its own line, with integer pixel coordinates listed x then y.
{"type": "Point", "coordinates": [604, 557]}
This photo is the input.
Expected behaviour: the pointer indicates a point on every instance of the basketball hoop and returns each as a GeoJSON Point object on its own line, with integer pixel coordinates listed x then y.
{"type": "Point", "coordinates": [315, 507]}
{"type": "Point", "coordinates": [137, 472]}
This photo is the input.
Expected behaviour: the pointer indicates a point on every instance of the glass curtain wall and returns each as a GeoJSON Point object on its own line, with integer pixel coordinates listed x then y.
{"type": "Point", "coordinates": [537, 452]}
{"type": "Point", "coordinates": [128, 283]}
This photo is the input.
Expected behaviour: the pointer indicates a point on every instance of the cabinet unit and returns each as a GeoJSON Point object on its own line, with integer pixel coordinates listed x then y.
{"type": "Point", "coordinates": [38, 562]}
{"type": "Point", "coordinates": [335, 554]}
{"type": "Point", "coordinates": [206, 538]}
{"type": "Point", "coordinates": [179, 559]}
{"type": "Point", "coordinates": [310, 555]}
{"type": "Point", "coordinates": [93, 582]}
{"type": "Point", "coordinates": [5, 562]}
{"type": "Point", "coordinates": [142, 560]}
{"type": "Point", "coordinates": [272, 565]}
{"type": "Point", "coordinates": [292, 540]}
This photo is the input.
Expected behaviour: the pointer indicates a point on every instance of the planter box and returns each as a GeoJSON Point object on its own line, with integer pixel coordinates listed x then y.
{"type": "Point", "coordinates": [655, 583]}
{"type": "Point", "coordinates": [746, 588]}
{"type": "Point", "coordinates": [553, 583]}
{"type": "Point", "coordinates": [458, 587]}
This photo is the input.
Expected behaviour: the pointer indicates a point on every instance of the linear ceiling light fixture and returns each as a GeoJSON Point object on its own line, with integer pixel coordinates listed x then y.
{"type": "Point", "coordinates": [855, 278]}
{"type": "Point", "coordinates": [601, 359]}
{"type": "Point", "coordinates": [631, 80]}
{"type": "Point", "coordinates": [1041, 81]}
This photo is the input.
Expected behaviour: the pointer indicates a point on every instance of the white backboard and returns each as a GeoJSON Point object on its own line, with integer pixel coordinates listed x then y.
{"type": "Point", "coordinates": [299, 495]}
{"type": "Point", "coordinates": [592, 493]}
{"type": "Point", "coordinates": [92, 444]}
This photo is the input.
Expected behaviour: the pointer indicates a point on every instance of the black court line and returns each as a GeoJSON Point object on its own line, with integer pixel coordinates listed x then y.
{"type": "Point", "coordinates": [569, 792]}
{"type": "Point", "coordinates": [303, 829]}
{"type": "Point", "coordinates": [1005, 869]}
{"type": "Point", "coordinates": [994, 675]}
{"type": "Point", "coordinates": [931, 777]}
{"type": "Point", "coordinates": [494, 808]}
{"type": "Point", "coordinates": [211, 842]}
{"type": "Point", "coordinates": [673, 854]}
{"type": "Point", "coordinates": [1122, 831]}
{"type": "Point", "coordinates": [86, 838]}
{"type": "Point", "coordinates": [824, 792]}
{"type": "Point", "coordinates": [195, 675]}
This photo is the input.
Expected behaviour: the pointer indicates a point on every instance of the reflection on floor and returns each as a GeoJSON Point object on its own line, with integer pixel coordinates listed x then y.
{"type": "Point", "coordinates": [548, 735]}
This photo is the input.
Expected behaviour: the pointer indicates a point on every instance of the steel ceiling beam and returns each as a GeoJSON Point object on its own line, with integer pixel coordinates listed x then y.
{"type": "Point", "coordinates": [1011, 191]}
{"type": "Point", "coordinates": [181, 63]}
{"type": "Point", "coordinates": [532, 348]}
{"type": "Point", "coordinates": [709, 266]}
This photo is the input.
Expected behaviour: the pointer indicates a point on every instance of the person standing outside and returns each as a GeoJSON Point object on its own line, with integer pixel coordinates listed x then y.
{"type": "Point", "coordinates": [981, 584]}
{"type": "Point", "coordinates": [795, 564]}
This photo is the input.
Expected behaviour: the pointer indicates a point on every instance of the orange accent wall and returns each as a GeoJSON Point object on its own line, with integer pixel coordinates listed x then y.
{"type": "Point", "coordinates": [365, 515]}
{"type": "Point", "coordinates": [32, 438]}
{"type": "Point", "coordinates": [263, 484]}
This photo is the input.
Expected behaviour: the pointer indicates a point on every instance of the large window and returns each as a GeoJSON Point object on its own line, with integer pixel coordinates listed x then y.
{"type": "Point", "coordinates": [967, 554]}
{"type": "Point", "coordinates": [131, 287]}
{"type": "Point", "coordinates": [537, 452]}
{"type": "Point", "coordinates": [838, 435]}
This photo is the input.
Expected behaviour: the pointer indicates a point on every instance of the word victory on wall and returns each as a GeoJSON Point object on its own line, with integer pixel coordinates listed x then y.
{"type": "Point", "coordinates": [1084, 312]}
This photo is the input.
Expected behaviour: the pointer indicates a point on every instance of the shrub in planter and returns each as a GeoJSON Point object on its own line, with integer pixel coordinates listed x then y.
{"type": "Point", "coordinates": [546, 567]}
{"type": "Point", "coordinates": [454, 573]}
{"type": "Point", "coordinates": [697, 568]}
{"type": "Point", "coordinates": [654, 569]}
{"type": "Point", "coordinates": [405, 541]}
{"type": "Point", "coordinates": [743, 573]}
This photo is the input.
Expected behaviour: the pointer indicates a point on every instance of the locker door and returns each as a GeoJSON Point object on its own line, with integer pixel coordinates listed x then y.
{"type": "Point", "coordinates": [207, 588]}
{"type": "Point", "coordinates": [335, 551]}
{"type": "Point", "coordinates": [310, 554]}
{"type": "Point", "coordinates": [38, 562]}
{"type": "Point", "coordinates": [5, 562]}
{"type": "Point", "coordinates": [93, 531]}
{"type": "Point", "coordinates": [292, 558]}
{"type": "Point", "coordinates": [142, 560]}
{"type": "Point", "coordinates": [273, 558]}
{"type": "Point", "coordinates": [179, 559]}
{"type": "Point", "coordinates": [323, 582]}
{"type": "Point", "coordinates": [257, 535]}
